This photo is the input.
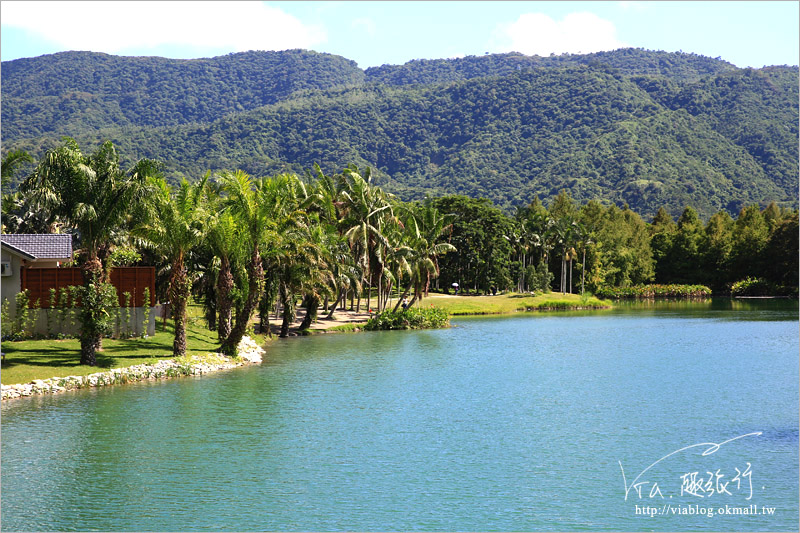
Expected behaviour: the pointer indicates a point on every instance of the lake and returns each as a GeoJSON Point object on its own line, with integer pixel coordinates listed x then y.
{"type": "Point", "coordinates": [595, 420]}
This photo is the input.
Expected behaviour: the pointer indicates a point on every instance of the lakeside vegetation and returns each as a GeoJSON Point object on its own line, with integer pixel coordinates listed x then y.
{"type": "Point", "coordinates": [28, 360]}
{"type": "Point", "coordinates": [656, 291]}
{"type": "Point", "coordinates": [244, 247]}
{"type": "Point", "coordinates": [418, 318]}
{"type": "Point", "coordinates": [513, 303]}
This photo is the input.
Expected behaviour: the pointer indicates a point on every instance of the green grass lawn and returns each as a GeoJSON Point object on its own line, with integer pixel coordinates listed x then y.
{"type": "Point", "coordinates": [509, 303]}
{"type": "Point", "coordinates": [42, 359]}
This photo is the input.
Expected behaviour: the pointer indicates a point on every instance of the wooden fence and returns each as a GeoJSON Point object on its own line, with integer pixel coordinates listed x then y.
{"type": "Point", "coordinates": [39, 281]}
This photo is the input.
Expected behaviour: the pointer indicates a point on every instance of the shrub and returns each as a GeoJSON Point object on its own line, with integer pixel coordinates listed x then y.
{"type": "Point", "coordinates": [145, 311]}
{"type": "Point", "coordinates": [655, 291]}
{"type": "Point", "coordinates": [126, 317]}
{"type": "Point", "coordinates": [33, 316]}
{"type": "Point", "coordinates": [74, 311]}
{"type": "Point", "coordinates": [753, 287]}
{"type": "Point", "coordinates": [124, 257]}
{"type": "Point", "coordinates": [4, 319]}
{"type": "Point", "coordinates": [49, 313]}
{"type": "Point", "coordinates": [22, 303]}
{"type": "Point", "coordinates": [63, 305]}
{"type": "Point", "coordinates": [99, 301]}
{"type": "Point", "coordinates": [414, 318]}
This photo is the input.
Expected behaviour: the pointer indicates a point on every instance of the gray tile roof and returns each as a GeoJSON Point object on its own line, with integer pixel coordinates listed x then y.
{"type": "Point", "coordinates": [41, 246]}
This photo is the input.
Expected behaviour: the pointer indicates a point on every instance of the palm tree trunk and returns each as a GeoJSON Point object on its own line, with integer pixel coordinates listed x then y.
{"type": "Point", "coordinates": [388, 298]}
{"type": "Point", "coordinates": [405, 293]}
{"type": "Point", "coordinates": [224, 302]}
{"type": "Point", "coordinates": [179, 293]}
{"type": "Point", "coordinates": [427, 283]}
{"type": "Point", "coordinates": [311, 303]}
{"type": "Point", "coordinates": [91, 337]}
{"type": "Point", "coordinates": [570, 273]}
{"type": "Point", "coordinates": [339, 298]}
{"type": "Point", "coordinates": [380, 293]}
{"type": "Point", "coordinates": [288, 310]}
{"type": "Point", "coordinates": [583, 270]}
{"type": "Point", "coordinates": [264, 305]}
{"type": "Point", "coordinates": [255, 278]}
{"type": "Point", "coordinates": [369, 291]}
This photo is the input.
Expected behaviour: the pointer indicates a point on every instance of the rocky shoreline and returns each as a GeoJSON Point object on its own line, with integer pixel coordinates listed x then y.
{"type": "Point", "coordinates": [248, 352]}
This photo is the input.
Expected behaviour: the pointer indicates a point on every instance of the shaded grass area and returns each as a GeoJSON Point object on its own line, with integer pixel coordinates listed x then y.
{"type": "Point", "coordinates": [346, 328]}
{"type": "Point", "coordinates": [41, 359]}
{"type": "Point", "coordinates": [511, 303]}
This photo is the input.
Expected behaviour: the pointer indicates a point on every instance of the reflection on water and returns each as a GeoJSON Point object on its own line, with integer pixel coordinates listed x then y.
{"type": "Point", "coordinates": [499, 423]}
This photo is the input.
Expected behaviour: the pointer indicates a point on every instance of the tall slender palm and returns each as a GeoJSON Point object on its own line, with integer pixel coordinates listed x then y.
{"type": "Point", "coordinates": [177, 223]}
{"type": "Point", "coordinates": [583, 237]}
{"type": "Point", "coordinates": [248, 201]}
{"type": "Point", "coordinates": [366, 209]}
{"type": "Point", "coordinates": [93, 195]}
{"type": "Point", "coordinates": [423, 231]}
{"type": "Point", "coordinates": [562, 233]}
{"type": "Point", "coordinates": [224, 238]}
{"type": "Point", "coordinates": [296, 254]}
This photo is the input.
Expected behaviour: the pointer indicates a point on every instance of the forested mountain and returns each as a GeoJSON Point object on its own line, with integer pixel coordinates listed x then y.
{"type": "Point", "coordinates": [71, 92]}
{"type": "Point", "coordinates": [647, 128]}
{"type": "Point", "coordinates": [626, 61]}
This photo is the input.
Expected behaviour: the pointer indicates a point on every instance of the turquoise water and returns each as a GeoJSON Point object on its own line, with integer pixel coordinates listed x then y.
{"type": "Point", "coordinates": [507, 423]}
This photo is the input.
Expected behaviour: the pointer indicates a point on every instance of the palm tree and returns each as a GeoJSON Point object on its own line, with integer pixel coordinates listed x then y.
{"type": "Point", "coordinates": [11, 163]}
{"type": "Point", "coordinates": [93, 195]}
{"type": "Point", "coordinates": [248, 201]}
{"type": "Point", "coordinates": [583, 238]}
{"type": "Point", "coordinates": [177, 224]}
{"type": "Point", "coordinates": [423, 230]}
{"type": "Point", "coordinates": [366, 209]}
{"type": "Point", "coordinates": [224, 238]}
{"type": "Point", "coordinates": [561, 230]}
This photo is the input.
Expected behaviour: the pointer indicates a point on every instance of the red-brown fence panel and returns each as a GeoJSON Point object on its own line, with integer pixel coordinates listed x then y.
{"type": "Point", "coordinates": [39, 281]}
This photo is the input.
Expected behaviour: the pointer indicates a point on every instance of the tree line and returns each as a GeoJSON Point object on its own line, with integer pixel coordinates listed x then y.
{"type": "Point", "coordinates": [569, 247]}
{"type": "Point", "coordinates": [243, 245]}
{"type": "Point", "coordinates": [239, 243]}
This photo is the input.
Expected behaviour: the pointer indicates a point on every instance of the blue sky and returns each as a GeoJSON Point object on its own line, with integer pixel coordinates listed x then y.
{"type": "Point", "coordinates": [373, 33]}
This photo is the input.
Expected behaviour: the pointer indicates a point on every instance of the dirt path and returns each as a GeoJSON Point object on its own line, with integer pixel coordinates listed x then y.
{"type": "Point", "coordinates": [340, 318]}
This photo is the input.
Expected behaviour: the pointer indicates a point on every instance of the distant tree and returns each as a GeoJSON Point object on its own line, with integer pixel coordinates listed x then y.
{"type": "Point", "coordinates": [716, 250]}
{"type": "Point", "coordinates": [751, 233]}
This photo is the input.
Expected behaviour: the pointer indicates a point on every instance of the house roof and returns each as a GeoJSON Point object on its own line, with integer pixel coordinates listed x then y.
{"type": "Point", "coordinates": [40, 246]}
{"type": "Point", "coordinates": [14, 249]}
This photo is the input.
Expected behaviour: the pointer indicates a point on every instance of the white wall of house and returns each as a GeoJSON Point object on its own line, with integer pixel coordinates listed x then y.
{"type": "Point", "coordinates": [67, 321]}
{"type": "Point", "coordinates": [10, 285]}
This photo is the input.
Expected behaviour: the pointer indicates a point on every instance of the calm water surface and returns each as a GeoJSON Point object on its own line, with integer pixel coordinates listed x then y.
{"type": "Point", "coordinates": [508, 423]}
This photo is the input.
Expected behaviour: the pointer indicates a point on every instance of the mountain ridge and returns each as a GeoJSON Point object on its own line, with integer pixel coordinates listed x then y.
{"type": "Point", "coordinates": [673, 129]}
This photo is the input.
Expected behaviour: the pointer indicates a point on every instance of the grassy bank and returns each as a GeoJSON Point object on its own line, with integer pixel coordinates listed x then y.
{"type": "Point", "coordinates": [42, 359]}
{"type": "Point", "coordinates": [511, 303]}
{"type": "Point", "coordinates": [47, 358]}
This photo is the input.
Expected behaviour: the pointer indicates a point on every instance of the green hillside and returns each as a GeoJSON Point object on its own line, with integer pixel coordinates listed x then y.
{"type": "Point", "coordinates": [73, 92]}
{"type": "Point", "coordinates": [626, 61]}
{"type": "Point", "coordinates": [649, 129]}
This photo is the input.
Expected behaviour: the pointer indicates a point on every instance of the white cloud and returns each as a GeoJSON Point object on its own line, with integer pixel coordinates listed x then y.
{"type": "Point", "coordinates": [112, 26]}
{"type": "Point", "coordinates": [537, 33]}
